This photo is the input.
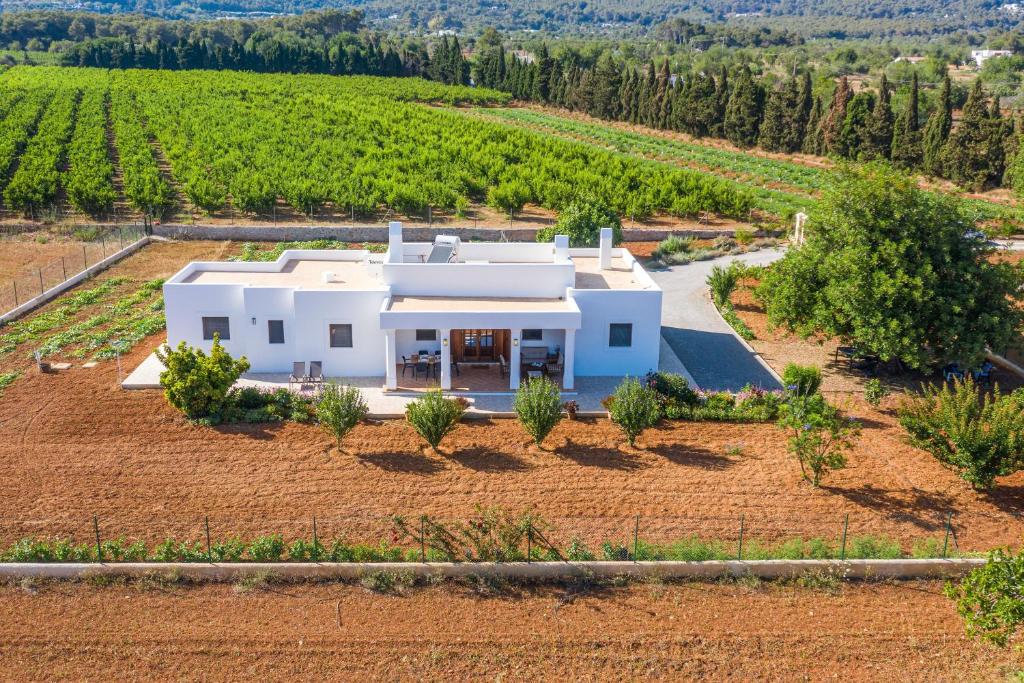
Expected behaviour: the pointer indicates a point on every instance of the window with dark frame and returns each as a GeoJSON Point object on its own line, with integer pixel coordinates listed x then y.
{"type": "Point", "coordinates": [533, 335]}
{"type": "Point", "coordinates": [341, 336]}
{"type": "Point", "coordinates": [275, 330]}
{"type": "Point", "coordinates": [426, 335]}
{"type": "Point", "coordinates": [620, 334]}
{"type": "Point", "coordinates": [219, 326]}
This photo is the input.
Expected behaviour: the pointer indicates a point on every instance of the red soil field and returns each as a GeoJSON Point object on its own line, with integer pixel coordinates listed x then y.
{"type": "Point", "coordinates": [902, 631]}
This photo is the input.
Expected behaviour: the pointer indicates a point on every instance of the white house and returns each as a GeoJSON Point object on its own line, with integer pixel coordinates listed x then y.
{"type": "Point", "coordinates": [981, 56]}
{"type": "Point", "coordinates": [523, 307]}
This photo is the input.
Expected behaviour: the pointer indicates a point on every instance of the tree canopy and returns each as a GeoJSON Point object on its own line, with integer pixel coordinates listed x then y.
{"type": "Point", "coordinates": [897, 271]}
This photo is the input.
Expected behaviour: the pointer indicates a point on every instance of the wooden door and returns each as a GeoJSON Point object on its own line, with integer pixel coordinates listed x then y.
{"type": "Point", "coordinates": [502, 342]}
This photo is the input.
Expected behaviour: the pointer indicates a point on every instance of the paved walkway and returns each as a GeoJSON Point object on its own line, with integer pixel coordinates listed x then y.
{"type": "Point", "coordinates": [706, 344]}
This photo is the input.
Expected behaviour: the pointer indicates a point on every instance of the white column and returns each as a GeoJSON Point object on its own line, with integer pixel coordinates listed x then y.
{"type": "Point", "coordinates": [561, 248]}
{"type": "Point", "coordinates": [514, 361]}
{"type": "Point", "coordinates": [569, 360]}
{"type": "Point", "coordinates": [605, 251]}
{"type": "Point", "coordinates": [446, 360]}
{"type": "Point", "coordinates": [390, 374]}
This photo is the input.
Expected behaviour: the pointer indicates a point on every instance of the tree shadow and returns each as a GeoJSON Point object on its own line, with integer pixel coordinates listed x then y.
{"type": "Point", "coordinates": [259, 431]}
{"type": "Point", "coordinates": [484, 460]}
{"type": "Point", "coordinates": [1007, 498]}
{"type": "Point", "coordinates": [409, 463]}
{"type": "Point", "coordinates": [605, 457]}
{"type": "Point", "coordinates": [693, 456]}
{"type": "Point", "coordinates": [925, 510]}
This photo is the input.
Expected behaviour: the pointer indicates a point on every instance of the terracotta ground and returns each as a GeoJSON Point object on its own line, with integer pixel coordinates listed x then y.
{"type": "Point", "coordinates": [903, 632]}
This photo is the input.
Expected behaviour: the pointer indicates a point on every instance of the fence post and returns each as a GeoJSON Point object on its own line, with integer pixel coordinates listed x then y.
{"type": "Point", "coordinates": [96, 529]}
{"type": "Point", "coordinates": [529, 540]}
{"type": "Point", "coordinates": [39, 271]}
{"type": "Point", "coordinates": [209, 550]}
{"type": "Point", "coordinates": [15, 283]}
{"type": "Point", "coordinates": [846, 526]}
{"type": "Point", "coordinates": [423, 540]}
{"type": "Point", "coordinates": [739, 553]}
{"type": "Point", "coordinates": [120, 234]}
{"type": "Point", "coordinates": [315, 554]}
{"type": "Point", "coordinates": [945, 543]}
{"type": "Point", "coordinates": [64, 268]}
{"type": "Point", "coordinates": [636, 539]}
{"type": "Point", "coordinates": [85, 258]}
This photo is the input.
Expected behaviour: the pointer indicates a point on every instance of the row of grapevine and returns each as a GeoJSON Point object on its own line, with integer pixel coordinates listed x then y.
{"type": "Point", "coordinates": [17, 126]}
{"type": "Point", "coordinates": [144, 187]}
{"type": "Point", "coordinates": [89, 180]}
{"type": "Point", "coordinates": [34, 184]}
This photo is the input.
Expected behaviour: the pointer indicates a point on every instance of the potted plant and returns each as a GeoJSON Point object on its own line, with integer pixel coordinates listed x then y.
{"type": "Point", "coordinates": [570, 407]}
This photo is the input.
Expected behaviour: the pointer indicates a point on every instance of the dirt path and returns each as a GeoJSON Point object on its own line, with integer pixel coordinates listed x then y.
{"type": "Point", "coordinates": [721, 632]}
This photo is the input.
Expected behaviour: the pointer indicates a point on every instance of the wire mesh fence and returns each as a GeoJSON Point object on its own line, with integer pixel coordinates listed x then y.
{"type": "Point", "coordinates": [32, 282]}
{"type": "Point", "coordinates": [491, 534]}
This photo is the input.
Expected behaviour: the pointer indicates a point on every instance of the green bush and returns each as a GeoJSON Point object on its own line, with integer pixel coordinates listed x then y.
{"type": "Point", "coordinates": [434, 417]}
{"type": "Point", "coordinates": [198, 384]}
{"type": "Point", "coordinates": [991, 598]}
{"type": "Point", "coordinates": [538, 406]}
{"type": "Point", "coordinates": [671, 245]}
{"type": "Point", "coordinates": [981, 438]}
{"type": "Point", "coordinates": [803, 380]}
{"type": "Point", "coordinates": [582, 221]}
{"type": "Point", "coordinates": [819, 434]}
{"type": "Point", "coordinates": [339, 409]}
{"type": "Point", "coordinates": [875, 391]}
{"type": "Point", "coordinates": [634, 407]}
{"type": "Point", "coordinates": [722, 281]}
{"type": "Point", "coordinates": [266, 548]}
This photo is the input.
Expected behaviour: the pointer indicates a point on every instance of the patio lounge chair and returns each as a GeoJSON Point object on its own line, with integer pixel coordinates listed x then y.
{"type": "Point", "coordinates": [298, 374]}
{"type": "Point", "coordinates": [316, 372]}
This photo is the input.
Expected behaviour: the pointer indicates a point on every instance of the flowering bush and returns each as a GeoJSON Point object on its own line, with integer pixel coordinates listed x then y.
{"type": "Point", "coordinates": [680, 402]}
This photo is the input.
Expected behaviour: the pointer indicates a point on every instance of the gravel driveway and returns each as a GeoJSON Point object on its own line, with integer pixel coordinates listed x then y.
{"type": "Point", "coordinates": [704, 342]}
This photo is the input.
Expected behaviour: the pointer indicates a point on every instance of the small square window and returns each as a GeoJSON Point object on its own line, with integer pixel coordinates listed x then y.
{"type": "Point", "coordinates": [341, 336]}
{"type": "Point", "coordinates": [533, 335]}
{"type": "Point", "coordinates": [426, 335]}
{"type": "Point", "coordinates": [216, 326]}
{"type": "Point", "coordinates": [275, 329]}
{"type": "Point", "coordinates": [620, 334]}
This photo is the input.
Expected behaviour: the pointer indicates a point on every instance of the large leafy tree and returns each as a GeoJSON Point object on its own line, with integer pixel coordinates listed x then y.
{"type": "Point", "coordinates": [894, 269]}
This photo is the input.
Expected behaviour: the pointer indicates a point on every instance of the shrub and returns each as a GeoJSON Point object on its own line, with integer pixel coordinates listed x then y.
{"type": "Point", "coordinates": [991, 598]}
{"type": "Point", "coordinates": [671, 245]}
{"type": "Point", "coordinates": [339, 409]}
{"type": "Point", "coordinates": [743, 236]}
{"type": "Point", "coordinates": [634, 407]}
{"type": "Point", "coordinates": [433, 416]}
{"type": "Point", "coordinates": [538, 406]}
{"type": "Point", "coordinates": [266, 548]}
{"type": "Point", "coordinates": [582, 221]}
{"type": "Point", "coordinates": [722, 281]}
{"type": "Point", "coordinates": [197, 384]}
{"type": "Point", "coordinates": [819, 434]}
{"type": "Point", "coordinates": [802, 380]}
{"type": "Point", "coordinates": [874, 392]}
{"type": "Point", "coordinates": [980, 437]}
{"type": "Point", "coordinates": [671, 387]}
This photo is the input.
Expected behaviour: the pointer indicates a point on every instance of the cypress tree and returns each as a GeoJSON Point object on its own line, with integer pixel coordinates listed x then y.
{"type": "Point", "coordinates": [812, 136]}
{"type": "Point", "coordinates": [855, 133]}
{"type": "Point", "coordinates": [773, 131]}
{"type": "Point", "coordinates": [800, 115]}
{"type": "Point", "coordinates": [604, 90]}
{"type": "Point", "coordinates": [743, 112]}
{"type": "Point", "coordinates": [878, 144]}
{"type": "Point", "coordinates": [695, 105]}
{"type": "Point", "coordinates": [663, 101]}
{"type": "Point", "coordinates": [832, 124]}
{"type": "Point", "coordinates": [626, 95]}
{"type": "Point", "coordinates": [936, 131]}
{"type": "Point", "coordinates": [717, 128]}
{"type": "Point", "coordinates": [906, 135]}
{"type": "Point", "coordinates": [647, 93]}
{"type": "Point", "coordinates": [971, 157]}
{"type": "Point", "coordinates": [542, 82]}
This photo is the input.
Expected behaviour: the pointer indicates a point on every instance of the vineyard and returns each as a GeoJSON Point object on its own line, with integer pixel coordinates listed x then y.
{"type": "Point", "coordinates": [250, 143]}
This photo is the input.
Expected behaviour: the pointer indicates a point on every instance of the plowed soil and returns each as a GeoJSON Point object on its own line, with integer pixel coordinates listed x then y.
{"type": "Point", "coordinates": [905, 632]}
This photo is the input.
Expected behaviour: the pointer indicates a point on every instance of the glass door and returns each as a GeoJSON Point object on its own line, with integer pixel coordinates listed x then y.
{"type": "Point", "coordinates": [478, 345]}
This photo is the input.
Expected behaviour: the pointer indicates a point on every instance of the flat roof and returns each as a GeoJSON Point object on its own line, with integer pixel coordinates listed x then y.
{"type": "Point", "coordinates": [447, 304]}
{"type": "Point", "coordinates": [297, 273]}
{"type": "Point", "coordinates": [590, 276]}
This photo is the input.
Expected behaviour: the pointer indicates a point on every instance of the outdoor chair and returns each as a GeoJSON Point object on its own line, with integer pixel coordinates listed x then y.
{"type": "Point", "coordinates": [951, 372]}
{"type": "Point", "coordinates": [408, 365]}
{"type": "Point", "coordinates": [424, 352]}
{"type": "Point", "coordinates": [316, 372]}
{"type": "Point", "coordinates": [555, 367]}
{"type": "Point", "coordinates": [298, 374]}
{"type": "Point", "coordinates": [421, 368]}
{"type": "Point", "coordinates": [984, 375]}
{"type": "Point", "coordinates": [502, 365]}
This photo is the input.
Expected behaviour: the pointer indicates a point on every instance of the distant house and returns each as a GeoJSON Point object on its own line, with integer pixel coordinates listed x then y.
{"type": "Point", "coordinates": [910, 59]}
{"type": "Point", "coordinates": [981, 56]}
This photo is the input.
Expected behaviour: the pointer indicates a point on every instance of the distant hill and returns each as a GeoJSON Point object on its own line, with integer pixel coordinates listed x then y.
{"type": "Point", "coordinates": [812, 18]}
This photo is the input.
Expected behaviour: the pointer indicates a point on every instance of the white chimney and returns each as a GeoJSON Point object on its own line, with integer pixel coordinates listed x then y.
{"type": "Point", "coordinates": [396, 253]}
{"type": "Point", "coordinates": [561, 248]}
{"type": "Point", "coordinates": [606, 248]}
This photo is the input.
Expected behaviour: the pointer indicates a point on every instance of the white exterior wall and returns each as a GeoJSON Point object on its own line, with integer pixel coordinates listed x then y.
{"type": "Point", "coordinates": [547, 280]}
{"type": "Point", "coordinates": [316, 310]}
{"type": "Point", "coordinates": [407, 344]}
{"type": "Point", "coordinates": [601, 308]}
{"type": "Point", "coordinates": [185, 306]}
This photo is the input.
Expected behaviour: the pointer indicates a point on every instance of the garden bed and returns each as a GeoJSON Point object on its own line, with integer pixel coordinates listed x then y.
{"type": "Point", "coordinates": [901, 631]}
